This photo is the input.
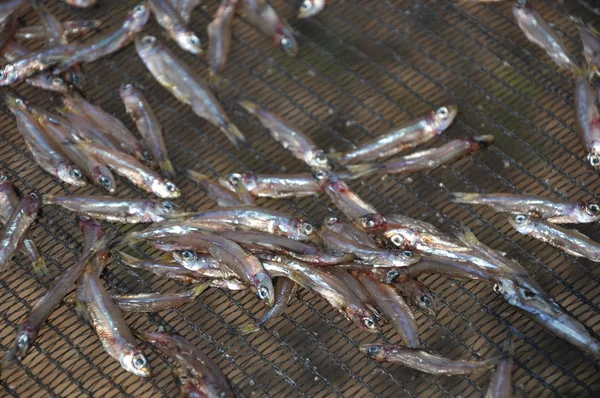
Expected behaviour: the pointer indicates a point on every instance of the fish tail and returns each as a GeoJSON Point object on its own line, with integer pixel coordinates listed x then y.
{"type": "Point", "coordinates": [251, 107]}
{"type": "Point", "coordinates": [8, 359]}
{"type": "Point", "coordinates": [39, 267]}
{"type": "Point", "coordinates": [248, 329]}
{"type": "Point", "coordinates": [80, 310]}
{"type": "Point", "coordinates": [495, 361]}
{"type": "Point", "coordinates": [195, 175]}
{"type": "Point", "coordinates": [362, 170]}
{"type": "Point", "coordinates": [127, 259]}
{"type": "Point", "coordinates": [199, 289]}
{"type": "Point", "coordinates": [464, 197]}
{"type": "Point", "coordinates": [214, 79]}
{"type": "Point", "coordinates": [167, 168]}
{"type": "Point", "coordinates": [234, 134]}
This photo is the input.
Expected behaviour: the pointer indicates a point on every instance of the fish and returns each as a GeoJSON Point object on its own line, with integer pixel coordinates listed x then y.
{"type": "Point", "coordinates": [130, 168]}
{"type": "Point", "coordinates": [168, 17]}
{"type": "Point", "coordinates": [310, 8]}
{"type": "Point", "coordinates": [568, 240]}
{"type": "Point", "coordinates": [401, 138]}
{"type": "Point", "coordinates": [109, 324]}
{"type": "Point", "coordinates": [417, 293]}
{"type": "Point", "coordinates": [54, 32]}
{"type": "Point", "coordinates": [152, 302]}
{"type": "Point", "coordinates": [219, 39]}
{"type": "Point", "coordinates": [217, 192]}
{"type": "Point", "coordinates": [273, 185]}
{"type": "Point", "coordinates": [7, 30]}
{"type": "Point", "coordinates": [264, 17]}
{"type": "Point", "coordinates": [61, 133]}
{"type": "Point", "coordinates": [393, 307]}
{"type": "Point", "coordinates": [430, 159]}
{"type": "Point", "coordinates": [33, 63]}
{"type": "Point", "coordinates": [285, 290]}
{"type": "Point", "coordinates": [46, 154]}
{"type": "Point", "coordinates": [81, 3]}
{"type": "Point", "coordinates": [349, 231]}
{"type": "Point", "coordinates": [111, 42]}
{"type": "Point", "coordinates": [204, 264]}
{"type": "Point", "coordinates": [342, 196]}
{"type": "Point", "coordinates": [290, 137]}
{"type": "Point", "coordinates": [551, 210]}
{"type": "Point", "coordinates": [185, 85]}
{"type": "Point", "coordinates": [8, 203]}
{"type": "Point", "coordinates": [162, 269]}
{"type": "Point", "coordinates": [500, 384]}
{"type": "Point", "coordinates": [247, 218]}
{"type": "Point", "coordinates": [423, 361]}
{"type": "Point", "coordinates": [30, 326]}
{"type": "Point", "coordinates": [203, 373]}
{"type": "Point", "coordinates": [332, 289]}
{"type": "Point", "coordinates": [367, 255]}
{"type": "Point", "coordinates": [257, 242]}
{"type": "Point", "coordinates": [587, 116]}
{"type": "Point", "coordinates": [244, 264]}
{"type": "Point", "coordinates": [184, 8]}
{"type": "Point", "coordinates": [71, 28]}
{"type": "Point", "coordinates": [590, 38]}
{"type": "Point", "coordinates": [10, 8]}
{"type": "Point", "coordinates": [348, 278]}
{"type": "Point", "coordinates": [108, 208]}
{"type": "Point", "coordinates": [93, 235]}
{"type": "Point", "coordinates": [107, 124]}
{"type": "Point", "coordinates": [148, 125]}
{"type": "Point", "coordinates": [539, 32]}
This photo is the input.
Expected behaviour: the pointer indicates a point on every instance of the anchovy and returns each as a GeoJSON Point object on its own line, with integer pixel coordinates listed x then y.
{"type": "Point", "coordinates": [587, 115]}
{"type": "Point", "coordinates": [87, 130]}
{"type": "Point", "coordinates": [539, 32]}
{"type": "Point", "coordinates": [113, 41]}
{"type": "Point", "coordinates": [130, 168]}
{"type": "Point", "coordinates": [10, 7]}
{"type": "Point", "coordinates": [45, 152]}
{"type": "Point", "coordinates": [290, 137]}
{"type": "Point", "coordinates": [162, 269]}
{"type": "Point", "coordinates": [264, 17]}
{"type": "Point", "coordinates": [203, 264]}
{"type": "Point", "coordinates": [35, 62]}
{"type": "Point", "coordinates": [430, 159]}
{"type": "Point", "coordinates": [273, 186]}
{"type": "Point", "coordinates": [167, 17]}
{"type": "Point", "coordinates": [416, 292]}
{"type": "Point", "coordinates": [367, 255]}
{"type": "Point", "coordinates": [401, 138]}
{"type": "Point", "coordinates": [130, 211]}
{"type": "Point", "coordinates": [394, 308]}
{"type": "Point", "coordinates": [147, 123]}
{"type": "Point", "coordinates": [310, 8]}
{"type": "Point", "coordinates": [93, 235]}
{"type": "Point", "coordinates": [53, 28]}
{"type": "Point", "coordinates": [61, 133]}
{"type": "Point", "coordinates": [8, 203]}
{"type": "Point", "coordinates": [423, 361]}
{"type": "Point", "coordinates": [71, 28]}
{"type": "Point", "coordinates": [285, 290]}
{"type": "Point", "coordinates": [30, 326]}
{"type": "Point", "coordinates": [108, 124]}
{"type": "Point", "coordinates": [568, 240]}
{"type": "Point", "coordinates": [590, 38]}
{"type": "Point", "coordinates": [185, 84]}
{"type": "Point", "coordinates": [205, 374]}
{"type": "Point", "coordinates": [552, 210]}
{"type": "Point", "coordinates": [355, 286]}
{"type": "Point", "coordinates": [500, 384]}
{"type": "Point", "coordinates": [219, 38]}
{"type": "Point", "coordinates": [108, 321]}
{"type": "Point", "coordinates": [184, 8]}
{"type": "Point", "coordinates": [332, 289]}
{"type": "Point", "coordinates": [81, 3]}
{"type": "Point", "coordinates": [259, 242]}
{"type": "Point", "coordinates": [342, 196]}
{"type": "Point", "coordinates": [248, 218]}
{"type": "Point", "coordinates": [349, 231]}
{"type": "Point", "coordinates": [217, 192]}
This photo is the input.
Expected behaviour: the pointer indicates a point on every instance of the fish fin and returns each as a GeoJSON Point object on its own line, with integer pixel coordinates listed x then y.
{"type": "Point", "coordinates": [249, 106]}
{"type": "Point", "coordinates": [167, 168]}
{"type": "Point", "coordinates": [247, 329]}
{"type": "Point", "coordinates": [465, 235]}
{"type": "Point", "coordinates": [128, 259]}
{"type": "Point", "coordinates": [214, 79]}
{"type": "Point", "coordinates": [336, 156]}
{"type": "Point", "coordinates": [234, 134]}
{"type": "Point", "coordinates": [165, 257]}
{"type": "Point", "coordinates": [199, 289]}
{"type": "Point", "coordinates": [39, 267]}
{"type": "Point", "coordinates": [80, 310]}
{"type": "Point", "coordinates": [363, 170]}
{"type": "Point", "coordinates": [464, 197]}
{"type": "Point", "coordinates": [509, 344]}
{"type": "Point", "coordinates": [8, 359]}
{"type": "Point", "coordinates": [495, 361]}
{"type": "Point", "coordinates": [48, 199]}
{"type": "Point", "coordinates": [195, 175]}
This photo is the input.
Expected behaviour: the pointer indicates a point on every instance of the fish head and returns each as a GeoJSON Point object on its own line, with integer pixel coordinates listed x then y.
{"type": "Point", "coordinates": [236, 181]}
{"type": "Point", "coordinates": [34, 203]}
{"type": "Point", "coordinates": [403, 258]}
{"type": "Point", "coordinates": [588, 212]}
{"type": "Point", "coordinates": [364, 319]}
{"type": "Point", "coordinates": [331, 222]}
{"type": "Point", "coordinates": [370, 222]}
{"type": "Point", "coordinates": [49, 82]}
{"type": "Point", "coordinates": [443, 117]}
{"type": "Point", "coordinates": [424, 299]}
{"type": "Point", "coordinates": [264, 288]}
{"type": "Point", "coordinates": [71, 174]}
{"type": "Point", "coordinates": [8, 74]}
{"type": "Point", "coordinates": [310, 8]}
{"type": "Point", "coordinates": [376, 351]}
{"type": "Point", "coordinates": [480, 142]}
{"type": "Point", "coordinates": [5, 183]}
{"type": "Point", "coordinates": [522, 5]}
{"type": "Point", "coordinates": [189, 42]}
{"type": "Point", "coordinates": [522, 223]}
{"type": "Point", "coordinates": [101, 177]}
{"type": "Point", "coordinates": [403, 237]}
{"type": "Point", "coordinates": [593, 156]}
{"type": "Point", "coordinates": [284, 38]}
{"type": "Point", "coordinates": [26, 336]}
{"type": "Point", "coordinates": [145, 45]}
{"type": "Point", "coordinates": [133, 360]}
{"type": "Point", "coordinates": [317, 159]}
{"type": "Point", "coordinates": [165, 189]}
{"type": "Point", "coordinates": [303, 230]}
{"type": "Point", "coordinates": [14, 103]}
{"type": "Point", "coordinates": [137, 18]}
{"type": "Point", "coordinates": [165, 209]}
{"type": "Point", "coordinates": [193, 260]}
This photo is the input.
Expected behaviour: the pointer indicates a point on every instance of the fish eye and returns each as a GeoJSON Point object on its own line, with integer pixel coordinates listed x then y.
{"type": "Point", "coordinates": [374, 349]}
{"type": "Point", "coordinates": [307, 228]}
{"type": "Point", "coordinates": [593, 208]}
{"type": "Point", "coordinates": [407, 253]}
{"type": "Point", "coordinates": [594, 160]}
{"type": "Point", "coordinates": [262, 292]}
{"type": "Point", "coordinates": [321, 158]}
{"type": "Point", "coordinates": [332, 221]}
{"type": "Point", "coordinates": [188, 255]}
{"type": "Point", "coordinates": [128, 86]}
{"type": "Point", "coordinates": [148, 40]}
{"type": "Point", "coordinates": [105, 181]}
{"type": "Point", "coordinates": [168, 206]}
{"type": "Point", "coordinates": [369, 223]}
{"type": "Point", "coordinates": [498, 288]}
{"type": "Point", "coordinates": [33, 195]}
{"type": "Point", "coordinates": [443, 112]}
{"type": "Point", "coordinates": [520, 218]}
{"type": "Point", "coordinates": [369, 323]}
{"type": "Point", "coordinates": [195, 40]}
{"type": "Point", "coordinates": [285, 42]}
{"type": "Point", "coordinates": [76, 173]}
{"type": "Point", "coordinates": [426, 301]}
{"type": "Point", "coordinates": [528, 293]}
{"type": "Point", "coordinates": [171, 187]}
{"type": "Point", "coordinates": [235, 179]}
{"type": "Point", "coordinates": [391, 276]}
{"type": "Point", "coordinates": [139, 361]}
{"type": "Point", "coordinates": [398, 240]}
{"type": "Point", "coordinates": [23, 341]}
{"type": "Point", "coordinates": [321, 174]}
{"type": "Point", "coordinates": [139, 9]}
{"type": "Point", "coordinates": [57, 81]}
{"type": "Point", "coordinates": [20, 102]}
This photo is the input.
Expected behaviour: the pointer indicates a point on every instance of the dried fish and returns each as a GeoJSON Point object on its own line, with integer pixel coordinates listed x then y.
{"type": "Point", "coordinates": [273, 185]}
{"type": "Point", "coordinates": [217, 192]}
{"type": "Point", "coordinates": [262, 15]}
{"type": "Point", "coordinates": [168, 17]}
{"type": "Point", "coordinates": [500, 385]}
{"type": "Point", "coordinates": [35, 62]}
{"type": "Point", "coordinates": [310, 8]}
{"type": "Point", "coordinates": [588, 120]}
{"type": "Point", "coordinates": [71, 28]}
{"type": "Point", "coordinates": [219, 38]}
{"type": "Point", "coordinates": [342, 196]}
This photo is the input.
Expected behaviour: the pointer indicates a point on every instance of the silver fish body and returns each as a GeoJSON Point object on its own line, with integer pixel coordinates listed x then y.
{"type": "Point", "coordinates": [168, 17]}
{"type": "Point", "coordinates": [262, 15]}
{"type": "Point", "coordinates": [342, 196]}
{"type": "Point", "coordinates": [219, 38]}
{"type": "Point", "coordinates": [273, 186]}
{"type": "Point", "coordinates": [500, 384]}
{"type": "Point", "coordinates": [590, 38]}
{"type": "Point", "coordinates": [35, 62]}
{"type": "Point", "coordinates": [217, 192]}
{"type": "Point", "coordinates": [587, 116]}
{"type": "Point", "coordinates": [185, 7]}
{"type": "Point", "coordinates": [71, 28]}
{"type": "Point", "coordinates": [285, 290]}
{"type": "Point", "coordinates": [310, 8]}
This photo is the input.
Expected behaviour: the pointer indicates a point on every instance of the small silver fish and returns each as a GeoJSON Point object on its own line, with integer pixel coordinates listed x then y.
{"type": "Point", "coordinates": [342, 196]}
{"type": "Point", "coordinates": [500, 385]}
{"type": "Point", "coordinates": [217, 192]}
{"type": "Point", "coordinates": [262, 15]}
{"type": "Point", "coordinates": [171, 21]}
{"type": "Point", "coordinates": [310, 8]}
{"type": "Point", "coordinates": [587, 116]}
{"type": "Point", "coordinates": [17, 225]}
{"type": "Point", "coordinates": [219, 38]}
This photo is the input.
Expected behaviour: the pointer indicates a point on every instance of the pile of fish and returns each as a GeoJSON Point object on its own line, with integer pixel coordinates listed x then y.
{"type": "Point", "coordinates": [365, 266]}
